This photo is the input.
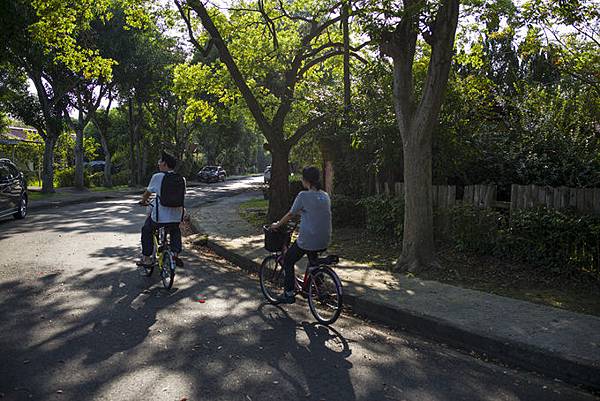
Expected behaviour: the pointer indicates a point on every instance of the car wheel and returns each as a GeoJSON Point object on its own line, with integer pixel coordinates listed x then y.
{"type": "Point", "coordinates": [22, 212]}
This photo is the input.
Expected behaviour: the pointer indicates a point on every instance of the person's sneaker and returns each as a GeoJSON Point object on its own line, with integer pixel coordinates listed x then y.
{"type": "Point", "coordinates": [144, 261]}
{"type": "Point", "coordinates": [286, 298]}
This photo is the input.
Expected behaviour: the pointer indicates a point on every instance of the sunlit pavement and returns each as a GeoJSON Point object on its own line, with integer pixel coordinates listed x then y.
{"type": "Point", "coordinates": [78, 322]}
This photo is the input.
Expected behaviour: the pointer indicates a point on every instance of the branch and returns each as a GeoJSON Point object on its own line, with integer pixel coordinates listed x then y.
{"type": "Point", "coordinates": [269, 23]}
{"type": "Point", "coordinates": [319, 60]}
{"type": "Point", "coordinates": [293, 17]}
{"type": "Point", "coordinates": [231, 65]}
{"type": "Point", "coordinates": [306, 128]}
{"type": "Point", "coordinates": [444, 33]}
{"type": "Point", "coordinates": [185, 15]}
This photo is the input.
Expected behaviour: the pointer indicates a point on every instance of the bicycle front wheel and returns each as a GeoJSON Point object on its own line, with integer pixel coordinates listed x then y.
{"type": "Point", "coordinates": [148, 269]}
{"type": "Point", "coordinates": [271, 278]}
{"type": "Point", "coordinates": [325, 295]}
{"type": "Point", "coordinates": [167, 274]}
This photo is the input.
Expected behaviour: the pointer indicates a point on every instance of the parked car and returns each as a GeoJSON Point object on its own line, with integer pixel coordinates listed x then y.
{"type": "Point", "coordinates": [13, 191]}
{"type": "Point", "coordinates": [212, 174]}
{"type": "Point", "coordinates": [267, 174]}
{"type": "Point", "coordinates": [97, 166]}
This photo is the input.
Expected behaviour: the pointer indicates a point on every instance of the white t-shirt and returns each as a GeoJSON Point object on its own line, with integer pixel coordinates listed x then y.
{"type": "Point", "coordinates": [165, 214]}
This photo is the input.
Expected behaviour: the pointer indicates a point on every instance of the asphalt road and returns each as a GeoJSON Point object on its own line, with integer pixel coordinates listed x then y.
{"type": "Point", "coordinates": [78, 322]}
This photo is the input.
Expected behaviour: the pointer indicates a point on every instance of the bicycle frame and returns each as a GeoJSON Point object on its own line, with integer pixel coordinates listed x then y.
{"type": "Point", "coordinates": [160, 243]}
{"type": "Point", "coordinates": [301, 284]}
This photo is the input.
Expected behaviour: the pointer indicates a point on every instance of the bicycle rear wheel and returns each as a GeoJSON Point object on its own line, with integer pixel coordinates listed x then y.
{"type": "Point", "coordinates": [325, 295]}
{"type": "Point", "coordinates": [271, 278]}
{"type": "Point", "coordinates": [167, 274]}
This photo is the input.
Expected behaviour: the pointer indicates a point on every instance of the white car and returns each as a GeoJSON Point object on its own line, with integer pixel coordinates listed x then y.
{"type": "Point", "coordinates": [267, 174]}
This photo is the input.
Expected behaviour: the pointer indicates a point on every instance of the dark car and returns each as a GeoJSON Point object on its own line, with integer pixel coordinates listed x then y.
{"type": "Point", "coordinates": [97, 166]}
{"type": "Point", "coordinates": [212, 174]}
{"type": "Point", "coordinates": [13, 191]}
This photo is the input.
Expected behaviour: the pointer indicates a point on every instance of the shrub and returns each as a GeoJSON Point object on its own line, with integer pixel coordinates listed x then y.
{"type": "Point", "coordinates": [96, 179]}
{"type": "Point", "coordinates": [557, 239]}
{"type": "Point", "coordinates": [384, 215]}
{"type": "Point", "coordinates": [295, 188]}
{"type": "Point", "coordinates": [66, 177]}
{"type": "Point", "coordinates": [469, 228]}
{"type": "Point", "coordinates": [121, 178]}
{"type": "Point", "coordinates": [347, 212]}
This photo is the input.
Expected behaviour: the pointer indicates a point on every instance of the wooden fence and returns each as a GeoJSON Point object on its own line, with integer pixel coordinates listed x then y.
{"type": "Point", "coordinates": [521, 197]}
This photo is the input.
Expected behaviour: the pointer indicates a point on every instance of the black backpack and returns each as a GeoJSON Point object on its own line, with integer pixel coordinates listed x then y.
{"type": "Point", "coordinates": [172, 190]}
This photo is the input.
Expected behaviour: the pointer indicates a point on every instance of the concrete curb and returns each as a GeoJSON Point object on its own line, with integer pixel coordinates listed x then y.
{"type": "Point", "coordinates": [513, 353]}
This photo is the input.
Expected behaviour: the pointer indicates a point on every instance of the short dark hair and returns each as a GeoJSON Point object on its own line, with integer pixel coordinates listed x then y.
{"type": "Point", "coordinates": [169, 159]}
{"type": "Point", "coordinates": [313, 176]}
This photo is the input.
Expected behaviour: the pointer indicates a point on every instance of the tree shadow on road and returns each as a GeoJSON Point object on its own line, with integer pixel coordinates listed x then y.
{"type": "Point", "coordinates": [109, 333]}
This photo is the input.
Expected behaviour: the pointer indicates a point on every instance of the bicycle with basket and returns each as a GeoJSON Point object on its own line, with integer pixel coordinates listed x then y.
{"type": "Point", "coordinates": [319, 284]}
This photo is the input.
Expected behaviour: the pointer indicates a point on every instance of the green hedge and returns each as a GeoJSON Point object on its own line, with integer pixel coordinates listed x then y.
{"type": "Point", "coordinates": [562, 240]}
{"type": "Point", "coordinates": [347, 212]}
{"type": "Point", "coordinates": [556, 241]}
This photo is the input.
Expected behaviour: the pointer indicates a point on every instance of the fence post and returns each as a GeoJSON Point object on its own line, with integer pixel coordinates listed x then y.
{"type": "Point", "coordinates": [597, 200]}
{"type": "Point", "coordinates": [468, 195]}
{"type": "Point", "coordinates": [588, 202]}
{"type": "Point", "coordinates": [451, 196]}
{"type": "Point", "coordinates": [443, 196]}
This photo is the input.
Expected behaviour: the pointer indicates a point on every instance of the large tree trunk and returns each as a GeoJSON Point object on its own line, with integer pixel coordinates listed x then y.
{"type": "Point", "coordinates": [79, 181]}
{"type": "Point", "coordinates": [418, 249]}
{"type": "Point", "coordinates": [132, 165]}
{"type": "Point", "coordinates": [48, 173]}
{"type": "Point", "coordinates": [107, 161]}
{"type": "Point", "coordinates": [416, 120]}
{"type": "Point", "coordinates": [279, 187]}
{"type": "Point", "coordinates": [144, 161]}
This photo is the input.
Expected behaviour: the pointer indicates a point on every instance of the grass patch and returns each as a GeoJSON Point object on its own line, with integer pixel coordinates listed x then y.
{"type": "Point", "coordinates": [35, 195]}
{"type": "Point", "coordinates": [107, 189]}
{"type": "Point", "coordinates": [255, 212]}
{"type": "Point", "coordinates": [38, 195]}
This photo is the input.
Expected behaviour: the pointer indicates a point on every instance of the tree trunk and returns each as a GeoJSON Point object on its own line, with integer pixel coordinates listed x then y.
{"type": "Point", "coordinates": [79, 181]}
{"type": "Point", "coordinates": [132, 169]}
{"type": "Point", "coordinates": [48, 173]}
{"type": "Point", "coordinates": [279, 187]}
{"type": "Point", "coordinates": [144, 163]}
{"type": "Point", "coordinates": [418, 248]}
{"type": "Point", "coordinates": [140, 147]}
{"type": "Point", "coordinates": [416, 120]}
{"type": "Point", "coordinates": [107, 160]}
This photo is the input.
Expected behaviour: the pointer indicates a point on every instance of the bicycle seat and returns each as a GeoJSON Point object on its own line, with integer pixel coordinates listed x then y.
{"type": "Point", "coordinates": [167, 225]}
{"type": "Point", "coordinates": [327, 260]}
